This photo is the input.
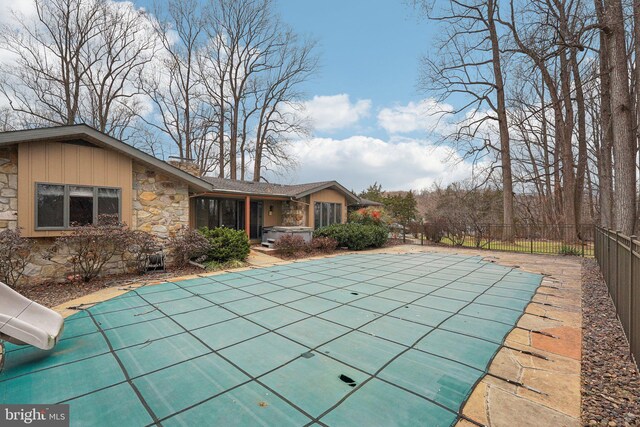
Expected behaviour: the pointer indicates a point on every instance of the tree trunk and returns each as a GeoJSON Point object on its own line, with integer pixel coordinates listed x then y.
{"type": "Point", "coordinates": [582, 137]}
{"type": "Point", "coordinates": [624, 197]}
{"type": "Point", "coordinates": [636, 27]}
{"type": "Point", "coordinates": [221, 128]}
{"type": "Point", "coordinates": [505, 149]}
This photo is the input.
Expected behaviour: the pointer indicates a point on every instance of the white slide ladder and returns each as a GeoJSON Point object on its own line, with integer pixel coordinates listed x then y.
{"type": "Point", "coordinates": [25, 322]}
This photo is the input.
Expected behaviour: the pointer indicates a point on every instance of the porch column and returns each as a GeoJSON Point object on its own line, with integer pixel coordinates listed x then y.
{"type": "Point", "coordinates": [247, 215]}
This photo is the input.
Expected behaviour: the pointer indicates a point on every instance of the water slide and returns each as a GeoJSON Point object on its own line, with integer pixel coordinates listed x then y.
{"type": "Point", "coordinates": [25, 322]}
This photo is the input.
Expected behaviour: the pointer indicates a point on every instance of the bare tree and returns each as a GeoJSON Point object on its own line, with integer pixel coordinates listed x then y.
{"type": "Point", "coordinates": [550, 34]}
{"type": "Point", "coordinates": [174, 86]}
{"type": "Point", "coordinates": [604, 141]}
{"type": "Point", "coordinates": [622, 118]}
{"type": "Point", "coordinates": [44, 82]}
{"type": "Point", "coordinates": [252, 69]}
{"type": "Point", "coordinates": [279, 115]}
{"type": "Point", "coordinates": [125, 44]}
{"type": "Point", "coordinates": [469, 62]}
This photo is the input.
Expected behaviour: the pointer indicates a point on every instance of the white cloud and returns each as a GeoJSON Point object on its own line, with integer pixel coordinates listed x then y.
{"type": "Point", "coordinates": [358, 161]}
{"type": "Point", "coordinates": [427, 115]}
{"type": "Point", "coordinates": [328, 113]}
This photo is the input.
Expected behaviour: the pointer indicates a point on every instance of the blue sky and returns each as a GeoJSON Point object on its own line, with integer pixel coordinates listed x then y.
{"type": "Point", "coordinates": [370, 54]}
{"type": "Point", "coordinates": [368, 49]}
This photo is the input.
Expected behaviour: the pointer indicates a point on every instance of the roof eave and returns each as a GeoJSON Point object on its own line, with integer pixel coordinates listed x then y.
{"type": "Point", "coordinates": [326, 185]}
{"type": "Point", "coordinates": [98, 138]}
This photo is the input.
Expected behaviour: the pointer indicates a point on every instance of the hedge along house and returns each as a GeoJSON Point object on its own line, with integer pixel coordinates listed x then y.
{"type": "Point", "coordinates": [52, 178]}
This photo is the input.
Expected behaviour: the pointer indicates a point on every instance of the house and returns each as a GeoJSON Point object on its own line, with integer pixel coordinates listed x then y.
{"type": "Point", "coordinates": [54, 177]}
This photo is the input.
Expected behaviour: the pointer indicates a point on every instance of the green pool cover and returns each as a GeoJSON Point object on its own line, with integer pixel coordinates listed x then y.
{"type": "Point", "coordinates": [370, 339]}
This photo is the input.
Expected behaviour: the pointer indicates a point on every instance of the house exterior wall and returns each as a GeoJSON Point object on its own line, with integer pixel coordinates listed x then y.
{"type": "Point", "coordinates": [68, 163]}
{"type": "Point", "coordinates": [8, 188]}
{"type": "Point", "coordinates": [326, 195]}
{"type": "Point", "coordinates": [276, 213]}
{"type": "Point", "coordinates": [160, 204]}
{"type": "Point", "coordinates": [150, 200]}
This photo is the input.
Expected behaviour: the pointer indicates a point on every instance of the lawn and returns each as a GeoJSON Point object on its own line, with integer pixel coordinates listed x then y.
{"type": "Point", "coordinates": [552, 247]}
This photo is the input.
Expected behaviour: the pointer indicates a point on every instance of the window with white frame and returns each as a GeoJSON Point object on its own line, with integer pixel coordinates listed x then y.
{"type": "Point", "coordinates": [60, 206]}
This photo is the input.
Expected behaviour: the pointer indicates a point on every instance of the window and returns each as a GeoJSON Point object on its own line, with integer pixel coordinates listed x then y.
{"type": "Point", "coordinates": [81, 205]}
{"type": "Point", "coordinates": [326, 214]}
{"type": "Point", "coordinates": [213, 213]}
{"type": "Point", "coordinates": [61, 206]}
{"type": "Point", "coordinates": [50, 206]}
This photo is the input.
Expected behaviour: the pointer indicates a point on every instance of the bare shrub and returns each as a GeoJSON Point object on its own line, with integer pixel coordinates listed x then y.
{"type": "Point", "coordinates": [324, 244]}
{"type": "Point", "coordinates": [189, 245]}
{"type": "Point", "coordinates": [141, 245]}
{"type": "Point", "coordinates": [291, 244]}
{"type": "Point", "coordinates": [15, 252]}
{"type": "Point", "coordinates": [90, 246]}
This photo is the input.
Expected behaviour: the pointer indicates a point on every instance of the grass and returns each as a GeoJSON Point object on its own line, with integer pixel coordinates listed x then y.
{"type": "Point", "coordinates": [553, 247]}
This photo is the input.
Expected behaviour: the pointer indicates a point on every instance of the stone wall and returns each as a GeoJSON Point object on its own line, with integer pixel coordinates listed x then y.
{"type": "Point", "coordinates": [293, 213]}
{"type": "Point", "coordinates": [160, 204]}
{"type": "Point", "coordinates": [8, 188]}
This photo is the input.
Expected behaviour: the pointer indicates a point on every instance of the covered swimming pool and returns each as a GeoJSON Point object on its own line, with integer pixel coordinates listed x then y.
{"type": "Point", "coordinates": [362, 339]}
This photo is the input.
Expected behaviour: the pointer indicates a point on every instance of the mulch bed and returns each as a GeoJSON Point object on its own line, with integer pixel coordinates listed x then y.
{"type": "Point", "coordinates": [610, 379]}
{"type": "Point", "coordinates": [305, 254]}
{"type": "Point", "coordinates": [51, 294]}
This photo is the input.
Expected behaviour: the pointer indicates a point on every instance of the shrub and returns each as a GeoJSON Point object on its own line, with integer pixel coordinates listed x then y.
{"type": "Point", "coordinates": [355, 236]}
{"type": "Point", "coordinates": [187, 245]}
{"type": "Point", "coordinates": [324, 244]}
{"type": "Point", "coordinates": [435, 230]}
{"type": "Point", "coordinates": [569, 250]}
{"type": "Point", "coordinates": [15, 252]}
{"type": "Point", "coordinates": [226, 244]}
{"type": "Point", "coordinates": [290, 244]}
{"type": "Point", "coordinates": [91, 246]}
{"type": "Point", "coordinates": [370, 216]}
{"type": "Point", "coordinates": [141, 245]}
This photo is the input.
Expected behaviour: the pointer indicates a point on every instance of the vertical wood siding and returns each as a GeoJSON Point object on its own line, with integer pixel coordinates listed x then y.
{"type": "Point", "coordinates": [67, 163]}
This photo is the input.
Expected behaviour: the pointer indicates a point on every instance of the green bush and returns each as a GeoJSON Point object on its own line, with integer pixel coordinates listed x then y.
{"type": "Point", "coordinates": [226, 244]}
{"type": "Point", "coordinates": [355, 236]}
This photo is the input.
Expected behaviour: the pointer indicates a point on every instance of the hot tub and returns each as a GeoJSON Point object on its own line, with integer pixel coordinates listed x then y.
{"type": "Point", "coordinates": [272, 234]}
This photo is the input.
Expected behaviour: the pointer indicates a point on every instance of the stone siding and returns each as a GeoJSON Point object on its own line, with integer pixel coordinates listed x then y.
{"type": "Point", "coordinates": [293, 213]}
{"type": "Point", "coordinates": [8, 188]}
{"type": "Point", "coordinates": [160, 204]}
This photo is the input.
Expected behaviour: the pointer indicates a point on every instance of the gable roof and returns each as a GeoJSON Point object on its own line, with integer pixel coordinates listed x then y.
{"type": "Point", "coordinates": [204, 184]}
{"type": "Point", "coordinates": [89, 134]}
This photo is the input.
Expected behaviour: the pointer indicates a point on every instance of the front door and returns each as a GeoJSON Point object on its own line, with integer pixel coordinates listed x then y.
{"type": "Point", "coordinates": [256, 217]}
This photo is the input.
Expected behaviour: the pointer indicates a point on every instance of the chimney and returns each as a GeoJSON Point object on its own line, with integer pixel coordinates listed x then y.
{"type": "Point", "coordinates": [186, 165]}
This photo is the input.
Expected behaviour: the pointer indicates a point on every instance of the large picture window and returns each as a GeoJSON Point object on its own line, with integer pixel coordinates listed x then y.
{"type": "Point", "coordinates": [214, 213]}
{"type": "Point", "coordinates": [325, 213]}
{"type": "Point", "coordinates": [63, 206]}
